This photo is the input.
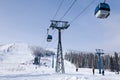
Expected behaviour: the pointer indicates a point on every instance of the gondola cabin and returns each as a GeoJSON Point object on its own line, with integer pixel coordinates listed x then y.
{"type": "Point", "coordinates": [102, 10]}
{"type": "Point", "coordinates": [49, 38]}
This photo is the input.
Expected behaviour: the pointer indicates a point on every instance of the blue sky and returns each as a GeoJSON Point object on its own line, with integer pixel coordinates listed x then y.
{"type": "Point", "coordinates": [27, 21]}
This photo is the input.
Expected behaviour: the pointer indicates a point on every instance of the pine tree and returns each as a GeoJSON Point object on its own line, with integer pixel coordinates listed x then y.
{"type": "Point", "coordinates": [116, 63]}
{"type": "Point", "coordinates": [111, 64]}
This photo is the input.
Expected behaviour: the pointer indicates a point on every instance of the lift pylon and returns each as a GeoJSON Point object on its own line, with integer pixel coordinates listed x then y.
{"type": "Point", "coordinates": [59, 25]}
{"type": "Point", "coordinates": [99, 53]}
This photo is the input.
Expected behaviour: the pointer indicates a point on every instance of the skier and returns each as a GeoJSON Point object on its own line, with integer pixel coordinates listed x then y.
{"type": "Point", "coordinates": [93, 71]}
{"type": "Point", "coordinates": [103, 72]}
{"type": "Point", "coordinates": [76, 69]}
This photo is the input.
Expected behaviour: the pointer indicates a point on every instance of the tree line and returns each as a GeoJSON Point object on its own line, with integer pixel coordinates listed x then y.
{"type": "Point", "coordinates": [90, 60]}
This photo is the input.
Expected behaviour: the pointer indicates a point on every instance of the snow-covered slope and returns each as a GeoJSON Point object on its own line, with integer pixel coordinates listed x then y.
{"type": "Point", "coordinates": [16, 64]}
{"type": "Point", "coordinates": [15, 53]}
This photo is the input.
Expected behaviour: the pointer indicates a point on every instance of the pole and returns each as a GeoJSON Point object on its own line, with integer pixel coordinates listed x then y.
{"type": "Point", "coordinates": [53, 61]}
{"type": "Point", "coordinates": [99, 53]}
{"type": "Point", "coordinates": [59, 25]}
{"type": "Point", "coordinates": [99, 63]}
{"type": "Point", "coordinates": [59, 60]}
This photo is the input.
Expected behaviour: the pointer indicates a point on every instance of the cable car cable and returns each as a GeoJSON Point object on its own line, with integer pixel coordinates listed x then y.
{"type": "Point", "coordinates": [77, 15]}
{"type": "Point", "coordinates": [68, 9]}
{"type": "Point", "coordinates": [58, 9]}
{"type": "Point", "coordinates": [65, 12]}
{"type": "Point", "coordinates": [54, 18]}
{"type": "Point", "coordinates": [104, 1]}
{"type": "Point", "coordinates": [82, 11]}
{"type": "Point", "coordinates": [57, 12]}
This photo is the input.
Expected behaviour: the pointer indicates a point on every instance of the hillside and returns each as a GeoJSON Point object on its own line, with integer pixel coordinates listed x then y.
{"type": "Point", "coordinates": [15, 53]}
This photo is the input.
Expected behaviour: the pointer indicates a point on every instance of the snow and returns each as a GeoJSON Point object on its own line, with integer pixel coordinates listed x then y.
{"type": "Point", "coordinates": [15, 53]}
{"type": "Point", "coordinates": [16, 64]}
